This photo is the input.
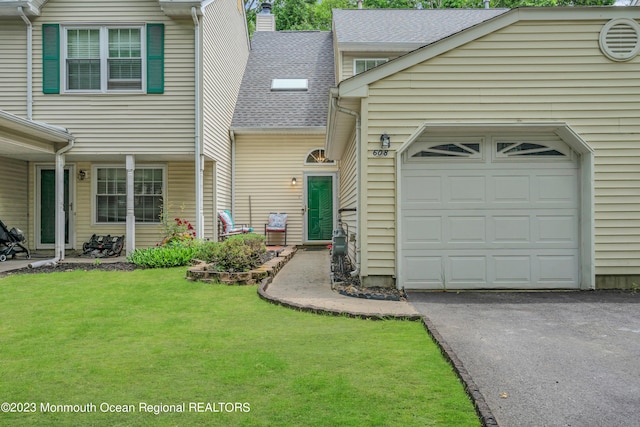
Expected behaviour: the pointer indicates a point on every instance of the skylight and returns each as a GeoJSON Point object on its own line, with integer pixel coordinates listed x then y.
{"type": "Point", "coordinates": [289, 84]}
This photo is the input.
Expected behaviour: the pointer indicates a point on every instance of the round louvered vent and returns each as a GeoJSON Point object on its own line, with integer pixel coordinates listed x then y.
{"type": "Point", "coordinates": [620, 39]}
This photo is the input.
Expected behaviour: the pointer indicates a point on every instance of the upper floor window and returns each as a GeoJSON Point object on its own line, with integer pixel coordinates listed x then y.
{"type": "Point", "coordinates": [103, 59]}
{"type": "Point", "coordinates": [362, 65]}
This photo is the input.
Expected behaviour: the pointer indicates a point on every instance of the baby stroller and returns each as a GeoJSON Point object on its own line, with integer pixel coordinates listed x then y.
{"type": "Point", "coordinates": [11, 242]}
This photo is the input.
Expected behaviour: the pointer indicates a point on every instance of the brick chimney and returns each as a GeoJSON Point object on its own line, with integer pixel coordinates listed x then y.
{"type": "Point", "coordinates": [265, 21]}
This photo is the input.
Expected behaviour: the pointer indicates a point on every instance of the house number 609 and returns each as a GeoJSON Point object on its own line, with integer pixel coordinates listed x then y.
{"type": "Point", "coordinates": [380, 153]}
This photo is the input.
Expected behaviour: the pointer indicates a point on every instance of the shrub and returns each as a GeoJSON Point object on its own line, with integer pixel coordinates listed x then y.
{"type": "Point", "coordinates": [171, 255]}
{"type": "Point", "coordinates": [242, 252]}
{"type": "Point", "coordinates": [238, 253]}
{"type": "Point", "coordinates": [207, 251]}
{"type": "Point", "coordinates": [254, 241]}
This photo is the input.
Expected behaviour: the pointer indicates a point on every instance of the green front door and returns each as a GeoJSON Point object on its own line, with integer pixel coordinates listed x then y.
{"type": "Point", "coordinates": [48, 206]}
{"type": "Point", "coordinates": [319, 207]}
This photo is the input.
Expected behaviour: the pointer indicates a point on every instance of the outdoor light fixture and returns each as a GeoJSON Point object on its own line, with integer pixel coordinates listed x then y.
{"type": "Point", "coordinates": [294, 181]}
{"type": "Point", "coordinates": [82, 174]}
{"type": "Point", "coordinates": [385, 141]}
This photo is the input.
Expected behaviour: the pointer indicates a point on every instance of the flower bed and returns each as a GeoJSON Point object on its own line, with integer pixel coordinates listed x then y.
{"type": "Point", "coordinates": [205, 272]}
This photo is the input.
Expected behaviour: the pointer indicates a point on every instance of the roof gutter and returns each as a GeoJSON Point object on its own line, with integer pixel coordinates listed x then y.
{"type": "Point", "coordinates": [334, 104]}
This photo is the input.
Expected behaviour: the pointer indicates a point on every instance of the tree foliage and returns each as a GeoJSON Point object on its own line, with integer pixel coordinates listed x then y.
{"type": "Point", "coordinates": [316, 14]}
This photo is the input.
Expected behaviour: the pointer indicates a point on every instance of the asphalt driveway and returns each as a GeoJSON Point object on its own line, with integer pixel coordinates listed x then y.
{"type": "Point", "coordinates": [546, 358]}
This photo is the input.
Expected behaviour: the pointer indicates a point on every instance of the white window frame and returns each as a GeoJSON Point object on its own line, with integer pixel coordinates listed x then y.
{"type": "Point", "coordinates": [379, 61]}
{"type": "Point", "coordinates": [104, 56]}
{"type": "Point", "coordinates": [94, 190]}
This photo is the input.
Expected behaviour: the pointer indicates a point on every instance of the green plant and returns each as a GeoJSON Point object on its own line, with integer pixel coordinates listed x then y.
{"type": "Point", "coordinates": [237, 253]}
{"type": "Point", "coordinates": [207, 251]}
{"type": "Point", "coordinates": [173, 254]}
{"type": "Point", "coordinates": [176, 229]}
{"type": "Point", "coordinates": [242, 252]}
{"type": "Point", "coordinates": [97, 261]}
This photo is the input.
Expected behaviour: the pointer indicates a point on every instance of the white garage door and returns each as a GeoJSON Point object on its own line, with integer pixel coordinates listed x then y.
{"type": "Point", "coordinates": [494, 213]}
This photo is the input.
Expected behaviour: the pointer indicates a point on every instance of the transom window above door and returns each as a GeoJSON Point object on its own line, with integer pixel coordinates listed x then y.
{"type": "Point", "coordinates": [317, 157]}
{"type": "Point", "coordinates": [103, 59]}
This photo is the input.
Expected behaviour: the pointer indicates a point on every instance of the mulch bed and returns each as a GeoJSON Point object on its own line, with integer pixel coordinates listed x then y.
{"type": "Point", "coordinates": [348, 285]}
{"type": "Point", "coordinates": [70, 266]}
{"type": "Point", "coordinates": [102, 266]}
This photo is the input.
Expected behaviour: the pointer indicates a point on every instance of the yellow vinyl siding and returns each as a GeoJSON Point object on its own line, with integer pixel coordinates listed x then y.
{"type": "Point", "coordinates": [348, 198]}
{"type": "Point", "coordinates": [13, 72]}
{"type": "Point", "coordinates": [85, 227]}
{"type": "Point", "coordinates": [14, 193]}
{"type": "Point", "coordinates": [530, 71]}
{"type": "Point", "coordinates": [225, 53]}
{"type": "Point", "coordinates": [123, 123]}
{"type": "Point", "coordinates": [265, 165]}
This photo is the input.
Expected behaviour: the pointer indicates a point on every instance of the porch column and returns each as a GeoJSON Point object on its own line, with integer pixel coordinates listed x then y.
{"type": "Point", "coordinates": [131, 216]}
{"type": "Point", "coordinates": [59, 212]}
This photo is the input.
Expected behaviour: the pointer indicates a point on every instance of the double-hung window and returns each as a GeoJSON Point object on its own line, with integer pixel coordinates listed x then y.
{"type": "Point", "coordinates": [111, 194]}
{"type": "Point", "coordinates": [103, 59]}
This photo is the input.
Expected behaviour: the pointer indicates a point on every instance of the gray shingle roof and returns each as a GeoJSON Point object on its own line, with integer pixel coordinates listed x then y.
{"type": "Point", "coordinates": [286, 54]}
{"type": "Point", "coordinates": [422, 26]}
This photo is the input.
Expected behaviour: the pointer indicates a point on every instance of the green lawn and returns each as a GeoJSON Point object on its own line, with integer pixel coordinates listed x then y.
{"type": "Point", "coordinates": [101, 339]}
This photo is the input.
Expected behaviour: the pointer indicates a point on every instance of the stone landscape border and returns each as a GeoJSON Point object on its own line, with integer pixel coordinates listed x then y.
{"type": "Point", "coordinates": [201, 272]}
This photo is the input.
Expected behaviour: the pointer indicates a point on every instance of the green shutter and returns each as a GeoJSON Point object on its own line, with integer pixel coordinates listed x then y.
{"type": "Point", "coordinates": [50, 58]}
{"type": "Point", "coordinates": [155, 58]}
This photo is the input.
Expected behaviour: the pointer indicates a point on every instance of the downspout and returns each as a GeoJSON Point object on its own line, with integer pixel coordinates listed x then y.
{"type": "Point", "coordinates": [60, 160]}
{"type": "Point", "coordinates": [232, 137]}
{"type": "Point", "coordinates": [334, 102]}
{"type": "Point", "coordinates": [60, 224]}
{"type": "Point", "coordinates": [199, 160]}
{"type": "Point", "coordinates": [29, 63]}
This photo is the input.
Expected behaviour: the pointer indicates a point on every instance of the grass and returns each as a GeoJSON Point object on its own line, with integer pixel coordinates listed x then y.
{"type": "Point", "coordinates": [151, 337]}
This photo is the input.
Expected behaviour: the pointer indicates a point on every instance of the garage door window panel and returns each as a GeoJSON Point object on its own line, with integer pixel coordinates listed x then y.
{"type": "Point", "coordinates": [514, 150]}
{"type": "Point", "coordinates": [446, 148]}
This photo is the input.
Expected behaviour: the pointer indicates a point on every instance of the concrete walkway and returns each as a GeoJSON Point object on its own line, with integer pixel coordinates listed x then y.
{"type": "Point", "coordinates": [305, 283]}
